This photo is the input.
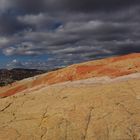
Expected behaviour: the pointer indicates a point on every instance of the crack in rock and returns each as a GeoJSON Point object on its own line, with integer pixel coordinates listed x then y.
{"type": "Point", "coordinates": [7, 106]}
{"type": "Point", "coordinates": [88, 122]}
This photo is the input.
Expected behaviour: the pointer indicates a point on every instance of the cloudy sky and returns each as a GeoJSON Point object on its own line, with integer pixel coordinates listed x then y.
{"type": "Point", "coordinates": [51, 33]}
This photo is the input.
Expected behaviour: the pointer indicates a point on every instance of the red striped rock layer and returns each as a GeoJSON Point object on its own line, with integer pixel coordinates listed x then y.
{"type": "Point", "coordinates": [112, 67]}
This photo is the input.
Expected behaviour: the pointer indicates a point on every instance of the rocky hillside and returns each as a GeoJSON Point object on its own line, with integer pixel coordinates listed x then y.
{"type": "Point", "coordinates": [112, 67]}
{"type": "Point", "coordinates": [10, 76]}
{"type": "Point", "coordinates": [97, 100]}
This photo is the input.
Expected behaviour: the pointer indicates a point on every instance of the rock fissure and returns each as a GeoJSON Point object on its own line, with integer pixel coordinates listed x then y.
{"type": "Point", "coordinates": [88, 122]}
{"type": "Point", "coordinates": [7, 106]}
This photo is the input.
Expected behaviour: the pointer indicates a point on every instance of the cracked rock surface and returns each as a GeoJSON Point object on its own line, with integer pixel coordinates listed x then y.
{"type": "Point", "coordinates": [108, 111]}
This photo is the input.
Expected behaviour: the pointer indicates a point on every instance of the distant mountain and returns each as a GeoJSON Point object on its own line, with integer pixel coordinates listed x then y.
{"type": "Point", "coordinates": [10, 76]}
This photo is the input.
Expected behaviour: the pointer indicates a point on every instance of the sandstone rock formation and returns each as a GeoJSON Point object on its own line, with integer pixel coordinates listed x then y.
{"type": "Point", "coordinates": [112, 67]}
{"type": "Point", "coordinates": [99, 108]}
{"type": "Point", "coordinates": [79, 112]}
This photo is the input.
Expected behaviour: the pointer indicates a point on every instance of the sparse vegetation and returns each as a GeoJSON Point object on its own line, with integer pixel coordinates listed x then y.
{"type": "Point", "coordinates": [10, 76]}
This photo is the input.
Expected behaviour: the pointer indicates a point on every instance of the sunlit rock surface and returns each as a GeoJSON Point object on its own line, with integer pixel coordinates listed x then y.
{"type": "Point", "coordinates": [97, 100]}
{"type": "Point", "coordinates": [112, 67]}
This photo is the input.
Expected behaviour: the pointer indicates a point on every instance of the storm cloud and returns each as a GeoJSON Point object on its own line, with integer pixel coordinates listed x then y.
{"type": "Point", "coordinates": [68, 31]}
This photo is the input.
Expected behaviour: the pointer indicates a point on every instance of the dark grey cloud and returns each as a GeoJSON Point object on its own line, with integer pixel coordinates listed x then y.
{"type": "Point", "coordinates": [30, 6]}
{"type": "Point", "coordinates": [23, 6]}
{"type": "Point", "coordinates": [10, 25]}
{"type": "Point", "coordinates": [37, 6]}
{"type": "Point", "coordinates": [91, 5]}
{"type": "Point", "coordinates": [68, 31]}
